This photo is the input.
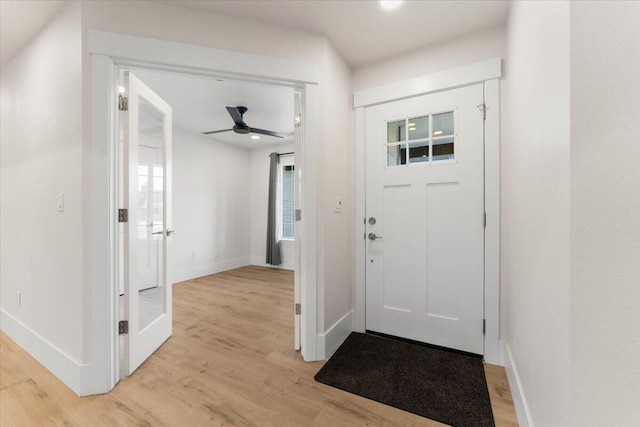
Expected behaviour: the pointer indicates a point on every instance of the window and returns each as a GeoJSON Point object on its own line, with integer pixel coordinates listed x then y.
{"type": "Point", "coordinates": [287, 201]}
{"type": "Point", "coordinates": [420, 144]}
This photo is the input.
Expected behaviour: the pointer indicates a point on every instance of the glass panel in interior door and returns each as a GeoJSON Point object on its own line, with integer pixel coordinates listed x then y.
{"type": "Point", "coordinates": [151, 295]}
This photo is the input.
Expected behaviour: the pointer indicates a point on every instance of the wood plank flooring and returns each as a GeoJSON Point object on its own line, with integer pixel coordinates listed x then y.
{"type": "Point", "coordinates": [230, 362]}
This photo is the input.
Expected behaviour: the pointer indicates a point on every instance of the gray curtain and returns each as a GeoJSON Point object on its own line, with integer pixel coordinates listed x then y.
{"type": "Point", "coordinates": [273, 244]}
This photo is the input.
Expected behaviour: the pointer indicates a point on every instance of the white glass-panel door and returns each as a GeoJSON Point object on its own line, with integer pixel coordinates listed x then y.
{"type": "Point", "coordinates": [147, 188]}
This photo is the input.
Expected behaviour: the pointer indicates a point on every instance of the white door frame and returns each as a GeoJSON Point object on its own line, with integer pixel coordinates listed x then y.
{"type": "Point", "coordinates": [486, 72]}
{"type": "Point", "coordinates": [108, 50]}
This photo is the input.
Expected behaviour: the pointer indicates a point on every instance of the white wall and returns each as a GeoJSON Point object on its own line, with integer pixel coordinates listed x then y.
{"type": "Point", "coordinates": [42, 248]}
{"type": "Point", "coordinates": [535, 195]}
{"type": "Point", "coordinates": [464, 50]}
{"type": "Point", "coordinates": [605, 205]}
{"type": "Point", "coordinates": [259, 194]}
{"type": "Point", "coordinates": [336, 179]}
{"type": "Point", "coordinates": [210, 206]}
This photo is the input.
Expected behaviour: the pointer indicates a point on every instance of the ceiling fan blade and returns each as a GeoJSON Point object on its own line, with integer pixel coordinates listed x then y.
{"type": "Point", "coordinates": [236, 116]}
{"type": "Point", "coordinates": [216, 131]}
{"type": "Point", "coordinates": [270, 133]}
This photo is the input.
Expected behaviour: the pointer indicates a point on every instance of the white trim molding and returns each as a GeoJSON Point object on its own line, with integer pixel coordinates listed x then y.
{"type": "Point", "coordinates": [72, 373]}
{"type": "Point", "coordinates": [492, 227]}
{"type": "Point", "coordinates": [259, 261]}
{"type": "Point", "coordinates": [488, 73]}
{"type": "Point", "coordinates": [187, 273]}
{"type": "Point", "coordinates": [449, 79]}
{"type": "Point", "coordinates": [517, 392]}
{"type": "Point", "coordinates": [329, 342]}
{"type": "Point", "coordinates": [211, 60]}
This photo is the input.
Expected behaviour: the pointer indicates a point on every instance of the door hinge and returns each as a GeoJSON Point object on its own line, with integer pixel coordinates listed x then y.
{"type": "Point", "coordinates": [484, 326]}
{"type": "Point", "coordinates": [298, 308]}
{"type": "Point", "coordinates": [123, 103]}
{"type": "Point", "coordinates": [483, 108]}
{"type": "Point", "coordinates": [298, 214]}
{"type": "Point", "coordinates": [123, 215]}
{"type": "Point", "coordinates": [485, 220]}
{"type": "Point", "coordinates": [297, 120]}
{"type": "Point", "coordinates": [123, 327]}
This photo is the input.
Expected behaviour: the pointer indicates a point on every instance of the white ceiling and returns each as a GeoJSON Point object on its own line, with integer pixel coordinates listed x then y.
{"type": "Point", "coordinates": [360, 30]}
{"type": "Point", "coordinates": [20, 21]}
{"type": "Point", "coordinates": [199, 103]}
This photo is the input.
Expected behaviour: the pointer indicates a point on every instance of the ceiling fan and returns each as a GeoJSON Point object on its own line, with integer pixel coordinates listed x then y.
{"type": "Point", "coordinates": [241, 127]}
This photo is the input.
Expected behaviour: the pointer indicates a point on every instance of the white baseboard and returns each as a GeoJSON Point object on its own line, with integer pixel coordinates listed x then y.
{"type": "Point", "coordinates": [329, 342]}
{"type": "Point", "coordinates": [517, 392]}
{"type": "Point", "coordinates": [188, 273]}
{"type": "Point", "coordinates": [74, 375]}
{"type": "Point", "coordinates": [501, 349]}
{"type": "Point", "coordinates": [259, 261]}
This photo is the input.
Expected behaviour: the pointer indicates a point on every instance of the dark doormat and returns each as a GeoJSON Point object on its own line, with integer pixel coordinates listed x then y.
{"type": "Point", "coordinates": [437, 384]}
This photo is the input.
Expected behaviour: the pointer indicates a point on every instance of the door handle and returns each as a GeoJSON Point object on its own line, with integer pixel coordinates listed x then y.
{"type": "Point", "coordinates": [372, 236]}
{"type": "Point", "coordinates": [169, 232]}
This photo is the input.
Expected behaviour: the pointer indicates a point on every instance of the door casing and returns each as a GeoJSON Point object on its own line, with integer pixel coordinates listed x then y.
{"type": "Point", "coordinates": [486, 72]}
{"type": "Point", "coordinates": [109, 50]}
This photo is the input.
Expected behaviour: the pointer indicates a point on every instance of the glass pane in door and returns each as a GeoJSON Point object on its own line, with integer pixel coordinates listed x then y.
{"type": "Point", "coordinates": [443, 124]}
{"type": "Point", "coordinates": [151, 240]}
{"type": "Point", "coordinates": [418, 127]}
{"type": "Point", "coordinates": [443, 149]}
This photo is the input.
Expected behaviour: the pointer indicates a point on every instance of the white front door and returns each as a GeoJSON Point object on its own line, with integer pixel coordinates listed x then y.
{"type": "Point", "coordinates": [147, 197]}
{"type": "Point", "coordinates": [425, 218]}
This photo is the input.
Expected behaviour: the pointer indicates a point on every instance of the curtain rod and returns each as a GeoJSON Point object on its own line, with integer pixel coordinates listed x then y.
{"type": "Point", "coordinates": [283, 154]}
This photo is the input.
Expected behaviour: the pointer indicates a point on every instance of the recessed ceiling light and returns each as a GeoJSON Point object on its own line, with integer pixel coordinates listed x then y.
{"type": "Point", "coordinates": [255, 137]}
{"type": "Point", "coordinates": [390, 4]}
{"type": "Point", "coordinates": [411, 124]}
{"type": "Point", "coordinates": [438, 132]}
{"type": "Point", "coordinates": [412, 128]}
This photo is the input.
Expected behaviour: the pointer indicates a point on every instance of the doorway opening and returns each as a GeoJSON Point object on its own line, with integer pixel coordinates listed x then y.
{"type": "Point", "coordinates": [195, 182]}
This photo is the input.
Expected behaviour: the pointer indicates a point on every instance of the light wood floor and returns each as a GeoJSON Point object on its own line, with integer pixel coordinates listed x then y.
{"type": "Point", "coordinates": [229, 362]}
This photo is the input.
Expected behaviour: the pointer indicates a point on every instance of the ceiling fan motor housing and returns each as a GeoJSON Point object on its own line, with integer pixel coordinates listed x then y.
{"type": "Point", "coordinates": [241, 129]}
